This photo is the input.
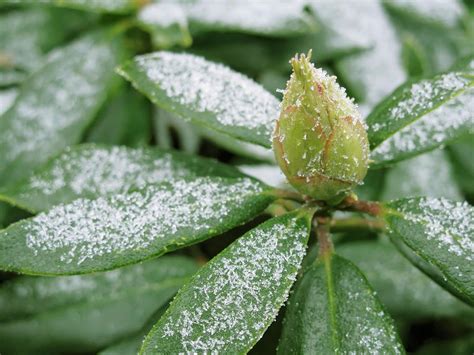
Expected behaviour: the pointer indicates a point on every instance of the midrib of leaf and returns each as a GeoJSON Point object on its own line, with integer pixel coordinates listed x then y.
{"type": "Point", "coordinates": [434, 108]}
{"type": "Point", "coordinates": [331, 302]}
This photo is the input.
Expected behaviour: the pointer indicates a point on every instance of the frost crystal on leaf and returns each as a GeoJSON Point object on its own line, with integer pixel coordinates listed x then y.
{"type": "Point", "coordinates": [207, 87]}
{"type": "Point", "coordinates": [228, 305]}
{"type": "Point", "coordinates": [158, 216]}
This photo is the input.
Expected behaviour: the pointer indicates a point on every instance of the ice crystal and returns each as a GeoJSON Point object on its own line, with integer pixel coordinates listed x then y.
{"type": "Point", "coordinates": [203, 86]}
{"type": "Point", "coordinates": [157, 215]}
{"type": "Point", "coordinates": [237, 296]}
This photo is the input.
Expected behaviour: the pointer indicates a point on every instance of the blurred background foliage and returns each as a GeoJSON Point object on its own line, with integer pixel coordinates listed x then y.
{"type": "Point", "coordinates": [372, 46]}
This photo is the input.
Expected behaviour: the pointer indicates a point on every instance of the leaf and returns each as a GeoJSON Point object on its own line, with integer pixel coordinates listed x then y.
{"type": "Point", "coordinates": [98, 6]}
{"type": "Point", "coordinates": [402, 288]}
{"type": "Point", "coordinates": [269, 18]}
{"type": "Point", "coordinates": [206, 93]}
{"type": "Point", "coordinates": [108, 232]}
{"type": "Point", "coordinates": [167, 24]}
{"type": "Point", "coordinates": [420, 116]}
{"type": "Point", "coordinates": [445, 14]}
{"type": "Point", "coordinates": [230, 302]}
{"type": "Point", "coordinates": [360, 71]}
{"type": "Point", "coordinates": [86, 312]}
{"type": "Point", "coordinates": [10, 76]}
{"type": "Point", "coordinates": [92, 171]}
{"type": "Point", "coordinates": [132, 344]}
{"type": "Point", "coordinates": [26, 35]}
{"type": "Point", "coordinates": [436, 235]}
{"type": "Point", "coordinates": [125, 120]}
{"type": "Point", "coordinates": [57, 103]}
{"type": "Point", "coordinates": [461, 153]}
{"type": "Point", "coordinates": [7, 97]}
{"type": "Point", "coordinates": [429, 174]}
{"type": "Point", "coordinates": [333, 310]}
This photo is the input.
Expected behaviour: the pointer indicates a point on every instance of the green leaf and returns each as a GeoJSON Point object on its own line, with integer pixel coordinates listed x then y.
{"type": "Point", "coordinates": [361, 71]}
{"type": "Point", "coordinates": [420, 116]}
{"type": "Point", "coordinates": [268, 18]}
{"type": "Point", "coordinates": [26, 35]}
{"type": "Point", "coordinates": [461, 153]}
{"type": "Point", "coordinates": [429, 174]}
{"type": "Point", "coordinates": [92, 171]}
{"type": "Point", "coordinates": [230, 302]}
{"type": "Point", "coordinates": [132, 344]}
{"type": "Point", "coordinates": [206, 93]}
{"type": "Point", "coordinates": [402, 288]}
{"type": "Point", "coordinates": [86, 312]}
{"type": "Point", "coordinates": [98, 6]}
{"type": "Point", "coordinates": [125, 120]}
{"type": "Point", "coordinates": [7, 97]}
{"type": "Point", "coordinates": [11, 76]}
{"type": "Point", "coordinates": [108, 232]}
{"type": "Point", "coordinates": [57, 103]}
{"type": "Point", "coordinates": [333, 310]}
{"type": "Point", "coordinates": [437, 235]}
{"type": "Point", "coordinates": [167, 24]}
{"type": "Point", "coordinates": [445, 14]}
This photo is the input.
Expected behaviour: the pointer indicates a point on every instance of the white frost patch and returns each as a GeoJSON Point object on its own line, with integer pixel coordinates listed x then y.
{"type": "Point", "coordinates": [204, 86]}
{"type": "Point", "coordinates": [158, 215]}
{"type": "Point", "coordinates": [97, 171]}
{"type": "Point", "coordinates": [451, 224]}
{"type": "Point", "coordinates": [7, 97]}
{"type": "Point", "coordinates": [163, 15]}
{"type": "Point", "coordinates": [237, 295]}
{"type": "Point", "coordinates": [433, 129]}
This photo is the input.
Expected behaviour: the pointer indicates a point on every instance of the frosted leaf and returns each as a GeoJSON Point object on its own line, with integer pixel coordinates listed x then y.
{"type": "Point", "coordinates": [411, 101]}
{"type": "Point", "coordinates": [274, 17]}
{"type": "Point", "coordinates": [447, 122]}
{"type": "Point", "coordinates": [371, 27]}
{"type": "Point", "coordinates": [112, 6]}
{"type": "Point", "coordinates": [207, 93]}
{"type": "Point", "coordinates": [448, 13]}
{"type": "Point", "coordinates": [230, 302]}
{"type": "Point", "coordinates": [162, 15]}
{"type": "Point", "coordinates": [27, 296]}
{"type": "Point", "coordinates": [429, 174]}
{"type": "Point", "coordinates": [441, 233]}
{"type": "Point", "coordinates": [7, 97]}
{"type": "Point", "coordinates": [403, 289]}
{"type": "Point", "coordinates": [109, 232]}
{"type": "Point", "coordinates": [56, 104]}
{"type": "Point", "coordinates": [93, 171]}
{"type": "Point", "coordinates": [334, 301]}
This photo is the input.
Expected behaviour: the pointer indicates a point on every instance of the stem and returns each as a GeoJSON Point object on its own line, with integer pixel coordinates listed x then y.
{"type": "Point", "coordinates": [351, 203]}
{"type": "Point", "coordinates": [324, 238]}
{"type": "Point", "coordinates": [288, 195]}
{"type": "Point", "coordinates": [350, 224]}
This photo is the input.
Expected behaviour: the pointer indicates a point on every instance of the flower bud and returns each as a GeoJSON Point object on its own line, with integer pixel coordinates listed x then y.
{"type": "Point", "coordinates": [319, 141]}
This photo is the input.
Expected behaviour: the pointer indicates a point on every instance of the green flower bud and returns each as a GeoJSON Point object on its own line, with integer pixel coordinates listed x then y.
{"type": "Point", "coordinates": [319, 141]}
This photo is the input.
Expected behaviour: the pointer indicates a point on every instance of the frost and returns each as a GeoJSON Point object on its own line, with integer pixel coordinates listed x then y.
{"type": "Point", "coordinates": [206, 87]}
{"type": "Point", "coordinates": [7, 97]}
{"type": "Point", "coordinates": [228, 304]}
{"type": "Point", "coordinates": [439, 126]}
{"type": "Point", "coordinates": [449, 13]}
{"type": "Point", "coordinates": [256, 16]}
{"type": "Point", "coordinates": [163, 15]}
{"type": "Point", "coordinates": [56, 105]}
{"type": "Point", "coordinates": [423, 96]}
{"type": "Point", "coordinates": [92, 171]}
{"type": "Point", "coordinates": [371, 28]}
{"type": "Point", "coordinates": [152, 218]}
{"type": "Point", "coordinates": [450, 224]}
